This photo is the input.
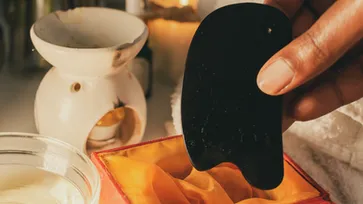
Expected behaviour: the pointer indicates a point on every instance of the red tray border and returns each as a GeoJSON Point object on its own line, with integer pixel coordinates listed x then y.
{"type": "Point", "coordinates": [324, 197]}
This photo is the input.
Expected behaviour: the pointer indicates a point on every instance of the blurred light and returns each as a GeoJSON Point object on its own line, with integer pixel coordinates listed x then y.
{"type": "Point", "coordinates": [184, 2]}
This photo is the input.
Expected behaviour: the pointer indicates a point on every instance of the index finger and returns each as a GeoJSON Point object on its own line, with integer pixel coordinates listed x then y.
{"type": "Point", "coordinates": [289, 7]}
{"type": "Point", "coordinates": [316, 50]}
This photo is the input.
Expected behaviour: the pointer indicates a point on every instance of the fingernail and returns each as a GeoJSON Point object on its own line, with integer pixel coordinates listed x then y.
{"type": "Point", "coordinates": [275, 77]}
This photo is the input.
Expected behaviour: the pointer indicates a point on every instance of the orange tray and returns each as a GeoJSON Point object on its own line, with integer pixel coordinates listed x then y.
{"type": "Point", "coordinates": [111, 192]}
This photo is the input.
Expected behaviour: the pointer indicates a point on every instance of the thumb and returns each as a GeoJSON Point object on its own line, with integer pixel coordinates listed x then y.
{"type": "Point", "coordinates": [337, 30]}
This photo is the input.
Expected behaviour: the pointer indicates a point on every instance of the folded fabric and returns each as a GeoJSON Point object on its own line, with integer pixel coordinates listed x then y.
{"type": "Point", "coordinates": [338, 134]}
{"type": "Point", "coordinates": [160, 173]}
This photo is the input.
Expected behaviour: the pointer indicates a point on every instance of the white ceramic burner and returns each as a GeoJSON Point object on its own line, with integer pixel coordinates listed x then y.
{"type": "Point", "coordinates": [90, 49]}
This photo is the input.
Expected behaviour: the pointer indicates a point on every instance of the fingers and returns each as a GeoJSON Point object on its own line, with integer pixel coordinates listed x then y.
{"type": "Point", "coordinates": [345, 88]}
{"type": "Point", "coordinates": [316, 50]}
{"type": "Point", "coordinates": [286, 123]}
{"type": "Point", "coordinates": [304, 19]}
{"type": "Point", "coordinates": [287, 119]}
{"type": "Point", "coordinates": [289, 7]}
{"type": "Point", "coordinates": [320, 6]}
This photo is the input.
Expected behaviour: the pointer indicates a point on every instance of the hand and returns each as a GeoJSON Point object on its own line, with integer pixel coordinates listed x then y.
{"type": "Point", "coordinates": [322, 68]}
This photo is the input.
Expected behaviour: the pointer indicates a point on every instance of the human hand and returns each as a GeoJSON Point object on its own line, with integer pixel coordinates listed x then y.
{"type": "Point", "coordinates": [322, 68]}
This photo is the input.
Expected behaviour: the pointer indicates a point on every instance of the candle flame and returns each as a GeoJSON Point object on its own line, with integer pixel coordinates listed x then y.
{"type": "Point", "coordinates": [184, 2]}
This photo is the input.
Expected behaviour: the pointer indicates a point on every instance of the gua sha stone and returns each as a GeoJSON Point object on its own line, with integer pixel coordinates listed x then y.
{"type": "Point", "coordinates": [225, 117]}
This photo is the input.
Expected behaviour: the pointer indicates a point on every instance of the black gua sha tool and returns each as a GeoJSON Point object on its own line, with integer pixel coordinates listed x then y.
{"type": "Point", "coordinates": [225, 117]}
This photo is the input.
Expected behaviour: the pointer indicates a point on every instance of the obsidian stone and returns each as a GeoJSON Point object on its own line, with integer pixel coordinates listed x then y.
{"type": "Point", "coordinates": [225, 117]}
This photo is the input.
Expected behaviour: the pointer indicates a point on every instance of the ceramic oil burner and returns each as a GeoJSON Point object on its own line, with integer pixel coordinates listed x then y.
{"type": "Point", "coordinates": [89, 96]}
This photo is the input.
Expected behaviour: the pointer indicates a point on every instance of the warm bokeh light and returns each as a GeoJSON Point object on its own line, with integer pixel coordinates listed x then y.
{"type": "Point", "coordinates": [184, 2]}
{"type": "Point", "coordinates": [175, 3]}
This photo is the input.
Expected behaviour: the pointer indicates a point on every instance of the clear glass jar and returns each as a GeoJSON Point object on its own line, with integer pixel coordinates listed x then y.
{"type": "Point", "coordinates": [24, 156]}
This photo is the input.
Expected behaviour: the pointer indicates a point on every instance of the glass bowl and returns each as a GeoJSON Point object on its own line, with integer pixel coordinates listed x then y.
{"type": "Point", "coordinates": [35, 169]}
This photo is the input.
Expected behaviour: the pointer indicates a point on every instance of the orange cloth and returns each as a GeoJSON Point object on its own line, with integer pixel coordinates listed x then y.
{"type": "Point", "coordinates": [161, 173]}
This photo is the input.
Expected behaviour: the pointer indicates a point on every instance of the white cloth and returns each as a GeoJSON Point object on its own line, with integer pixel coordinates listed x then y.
{"type": "Point", "coordinates": [338, 134]}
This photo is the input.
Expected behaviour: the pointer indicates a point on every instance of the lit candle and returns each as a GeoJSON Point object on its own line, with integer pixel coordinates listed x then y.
{"type": "Point", "coordinates": [170, 41]}
{"type": "Point", "coordinates": [176, 3]}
